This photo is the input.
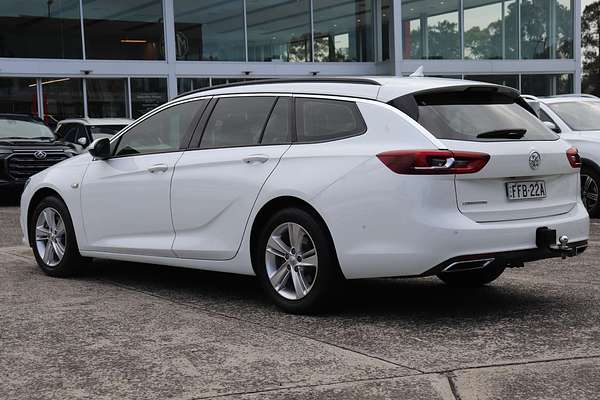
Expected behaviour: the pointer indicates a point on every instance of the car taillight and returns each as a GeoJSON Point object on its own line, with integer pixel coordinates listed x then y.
{"type": "Point", "coordinates": [433, 162]}
{"type": "Point", "coordinates": [574, 158]}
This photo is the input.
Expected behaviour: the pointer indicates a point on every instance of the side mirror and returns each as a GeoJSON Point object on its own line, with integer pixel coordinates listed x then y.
{"type": "Point", "coordinates": [82, 141]}
{"type": "Point", "coordinates": [552, 126]}
{"type": "Point", "coordinates": [100, 148]}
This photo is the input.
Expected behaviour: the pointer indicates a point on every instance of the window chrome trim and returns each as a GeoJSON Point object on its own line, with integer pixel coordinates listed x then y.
{"type": "Point", "coordinates": [294, 139]}
{"type": "Point", "coordinates": [153, 112]}
{"type": "Point", "coordinates": [161, 108]}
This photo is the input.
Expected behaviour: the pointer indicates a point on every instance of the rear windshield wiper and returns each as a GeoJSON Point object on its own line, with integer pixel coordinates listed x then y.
{"type": "Point", "coordinates": [503, 134]}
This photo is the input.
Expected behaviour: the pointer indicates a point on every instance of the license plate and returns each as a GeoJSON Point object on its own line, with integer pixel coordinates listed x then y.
{"type": "Point", "coordinates": [526, 190]}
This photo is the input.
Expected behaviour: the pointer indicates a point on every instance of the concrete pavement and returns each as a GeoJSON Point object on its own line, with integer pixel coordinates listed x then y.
{"type": "Point", "coordinates": [124, 330]}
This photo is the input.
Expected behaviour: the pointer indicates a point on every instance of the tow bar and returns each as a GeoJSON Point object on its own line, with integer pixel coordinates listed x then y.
{"type": "Point", "coordinates": [546, 239]}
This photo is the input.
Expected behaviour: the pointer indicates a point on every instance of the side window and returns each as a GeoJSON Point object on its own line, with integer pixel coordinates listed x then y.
{"type": "Point", "coordinates": [236, 121]}
{"type": "Point", "coordinates": [61, 130]}
{"type": "Point", "coordinates": [71, 133]}
{"type": "Point", "coordinates": [323, 119]}
{"type": "Point", "coordinates": [162, 132]}
{"type": "Point", "coordinates": [81, 132]}
{"type": "Point", "coordinates": [278, 128]}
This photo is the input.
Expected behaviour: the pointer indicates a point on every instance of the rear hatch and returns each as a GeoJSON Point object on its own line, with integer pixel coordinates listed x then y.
{"type": "Point", "coordinates": [528, 174]}
{"type": "Point", "coordinates": [507, 188]}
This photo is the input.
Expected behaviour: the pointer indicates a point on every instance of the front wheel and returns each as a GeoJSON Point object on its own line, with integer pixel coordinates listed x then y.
{"type": "Point", "coordinates": [590, 185]}
{"type": "Point", "coordinates": [54, 244]}
{"type": "Point", "coordinates": [474, 278]}
{"type": "Point", "coordinates": [295, 262]}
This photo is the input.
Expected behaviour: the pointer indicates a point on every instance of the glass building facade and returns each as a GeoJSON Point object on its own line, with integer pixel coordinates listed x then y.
{"type": "Point", "coordinates": [109, 58]}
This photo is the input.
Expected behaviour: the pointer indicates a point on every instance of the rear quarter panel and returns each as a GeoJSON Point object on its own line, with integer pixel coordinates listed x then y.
{"type": "Point", "coordinates": [351, 189]}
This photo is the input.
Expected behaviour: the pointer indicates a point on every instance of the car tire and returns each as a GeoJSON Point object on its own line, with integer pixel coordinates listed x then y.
{"type": "Point", "coordinates": [473, 278]}
{"type": "Point", "coordinates": [299, 280]}
{"type": "Point", "coordinates": [590, 189]}
{"type": "Point", "coordinates": [53, 239]}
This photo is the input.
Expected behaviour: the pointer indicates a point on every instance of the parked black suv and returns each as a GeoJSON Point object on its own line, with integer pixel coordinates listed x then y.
{"type": "Point", "coordinates": [27, 146]}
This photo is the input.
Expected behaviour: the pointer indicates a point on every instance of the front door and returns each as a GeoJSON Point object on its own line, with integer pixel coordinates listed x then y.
{"type": "Point", "coordinates": [126, 199]}
{"type": "Point", "coordinates": [126, 204]}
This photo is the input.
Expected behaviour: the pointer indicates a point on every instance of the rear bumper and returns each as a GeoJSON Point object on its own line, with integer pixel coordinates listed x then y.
{"type": "Point", "coordinates": [432, 244]}
{"type": "Point", "coordinates": [508, 258]}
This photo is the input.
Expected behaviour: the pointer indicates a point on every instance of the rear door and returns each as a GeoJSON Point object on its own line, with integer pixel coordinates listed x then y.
{"type": "Point", "coordinates": [528, 174]}
{"type": "Point", "coordinates": [216, 184]}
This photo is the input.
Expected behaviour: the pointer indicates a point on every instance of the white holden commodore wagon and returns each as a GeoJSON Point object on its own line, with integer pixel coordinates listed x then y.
{"type": "Point", "coordinates": [304, 183]}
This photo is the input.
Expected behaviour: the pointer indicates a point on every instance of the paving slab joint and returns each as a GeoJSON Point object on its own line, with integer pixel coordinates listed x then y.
{"type": "Point", "coordinates": [453, 387]}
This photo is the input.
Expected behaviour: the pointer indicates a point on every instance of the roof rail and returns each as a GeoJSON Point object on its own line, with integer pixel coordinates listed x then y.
{"type": "Point", "coordinates": [359, 81]}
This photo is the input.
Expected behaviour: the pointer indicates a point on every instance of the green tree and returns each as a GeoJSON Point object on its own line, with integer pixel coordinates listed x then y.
{"type": "Point", "coordinates": [590, 43]}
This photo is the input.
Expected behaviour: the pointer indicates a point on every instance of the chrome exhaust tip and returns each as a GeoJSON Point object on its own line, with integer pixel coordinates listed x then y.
{"type": "Point", "coordinates": [468, 265]}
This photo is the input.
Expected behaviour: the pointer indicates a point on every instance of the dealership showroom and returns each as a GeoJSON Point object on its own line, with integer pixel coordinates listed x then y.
{"type": "Point", "coordinates": [108, 58]}
{"type": "Point", "coordinates": [132, 327]}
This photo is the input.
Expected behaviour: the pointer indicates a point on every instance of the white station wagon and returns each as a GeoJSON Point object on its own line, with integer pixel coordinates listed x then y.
{"type": "Point", "coordinates": [305, 182]}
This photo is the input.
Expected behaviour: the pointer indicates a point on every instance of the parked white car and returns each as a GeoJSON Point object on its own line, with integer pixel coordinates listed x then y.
{"type": "Point", "coordinates": [83, 131]}
{"type": "Point", "coordinates": [576, 118]}
{"type": "Point", "coordinates": [306, 182]}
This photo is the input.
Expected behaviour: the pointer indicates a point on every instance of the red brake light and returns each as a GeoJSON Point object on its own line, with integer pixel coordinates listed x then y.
{"type": "Point", "coordinates": [574, 158]}
{"type": "Point", "coordinates": [434, 162]}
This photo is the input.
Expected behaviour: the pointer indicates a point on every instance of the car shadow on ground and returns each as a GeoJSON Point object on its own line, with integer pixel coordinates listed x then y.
{"type": "Point", "coordinates": [425, 299]}
{"type": "Point", "coordinates": [9, 198]}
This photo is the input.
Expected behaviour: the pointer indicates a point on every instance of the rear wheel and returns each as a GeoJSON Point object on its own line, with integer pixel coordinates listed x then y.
{"type": "Point", "coordinates": [472, 278]}
{"type": "Point", "coordinates": [590, 185]}
{"type": "Point", "coordinates": [54, 243]}
{"type": "Point", "coordinates": [295, 262]}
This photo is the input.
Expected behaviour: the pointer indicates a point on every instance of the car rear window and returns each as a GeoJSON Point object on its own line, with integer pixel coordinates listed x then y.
{"type": "Point", "coordinates": [477, 115]}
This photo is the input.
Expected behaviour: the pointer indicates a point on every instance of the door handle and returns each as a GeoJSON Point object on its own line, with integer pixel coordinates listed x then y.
{"type": "Point", "coordinates": [158, 168]}
{"type": "Point", "coordinates": [256, 158]}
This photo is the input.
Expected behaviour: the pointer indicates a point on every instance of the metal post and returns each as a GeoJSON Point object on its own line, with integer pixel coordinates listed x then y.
{"type": "Point", "coordinates": [312, 31]}
{"type": "Point", "coordinates": [424, 36]}
{"type": "Point", "coordinates": [519, 31]}
{"type": "Point", "coordinates": [170, 47]}
{"type": "Point", "coordinates": [39, 93]}
{"type": "Point", "coordinates": [377, 20]}
{"type": "Point", "coordinates": [395, 22]}
{"type": "Point", "coordinates": [85, 100]}
{"type": "Point", "coordinates": [129, 99]}
{"type": "Point", "coordinates": [82, 29]}
{"type": "Point", "coordinates": [503, 30]}
{"type": "Point", "coordinates": [461, 26]}
{"type": "Point", "coordinates": [577, 46]}
{"type": "Point", "coordinates": [245, 31]}
{"type": "Point", "coordinates": [552, 25]}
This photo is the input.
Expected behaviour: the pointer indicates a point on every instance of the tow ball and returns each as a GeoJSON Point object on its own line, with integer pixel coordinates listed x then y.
{"type": "Point", "coordinates": [562, 247]}
{"type": "Point", "coordinates": [546, 239]}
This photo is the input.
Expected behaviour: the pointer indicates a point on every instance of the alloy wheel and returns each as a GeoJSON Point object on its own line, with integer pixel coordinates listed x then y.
{"type": "Point", "coordinates": [50, 236]}
{"type": "Point", "coordinates": [589, 191]}
{"type": "Point", "coordinates": [291, 261]}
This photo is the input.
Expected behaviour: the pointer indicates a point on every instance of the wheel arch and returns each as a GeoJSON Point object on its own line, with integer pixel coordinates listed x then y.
{"type": "Point", "coordinates": [35, 199]}
{"type": "Point", "coordinates": [586, 162]}
{"type": "Point", "coordinates": [280, 203]}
